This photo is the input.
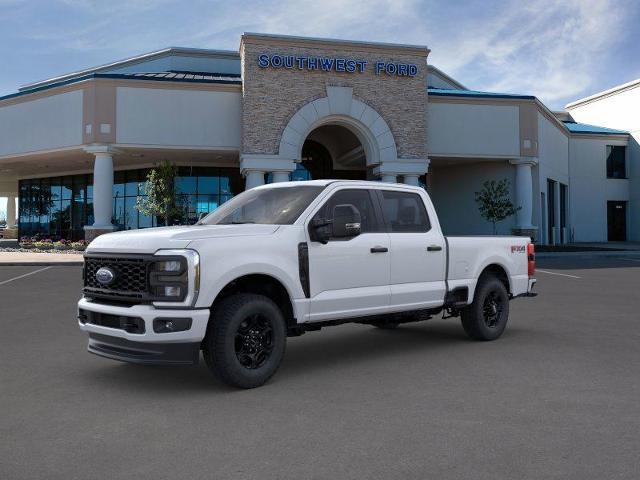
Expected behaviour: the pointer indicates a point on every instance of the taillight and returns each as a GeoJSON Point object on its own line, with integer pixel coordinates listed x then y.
{"type": "Point", "coordinates": [531, 259]}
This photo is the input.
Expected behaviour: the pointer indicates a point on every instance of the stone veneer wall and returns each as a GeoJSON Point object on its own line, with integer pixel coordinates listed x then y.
{"type": "Point", "coordinates": [271, 96]}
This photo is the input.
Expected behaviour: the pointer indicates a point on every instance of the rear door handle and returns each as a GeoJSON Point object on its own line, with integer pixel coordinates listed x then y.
{"type": "Point", "coordinates": [379, 250]}
{"type": "Point", "coordinates": [434, 248]}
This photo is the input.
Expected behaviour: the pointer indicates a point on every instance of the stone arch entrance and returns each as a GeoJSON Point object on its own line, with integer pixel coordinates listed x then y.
{"type": "Point", "coordinates": [342, 111]}
{"type": "Point", "coordinates": [339, 108]}
{"type": "Point", "coordinates": [332, 151]}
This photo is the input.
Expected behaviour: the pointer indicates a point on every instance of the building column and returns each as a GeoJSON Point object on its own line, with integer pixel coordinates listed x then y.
{"type": "Point", "coordinates": [388, 178]}
{"type": "Point", "coordinates": [524, 196]}
{"type": "Point", "coordinates": [280, 176]}
{"type": "Point", "coordinates": [410, 169]}
{"type": "Point", "coordinates": [11, 211]}
{"type": "Point", "coordinates": [253, 178]}
{"type": "Point", "coordinates": [102, 191]}
{"type": "Point", "coordinates": [253, 166]}
{"type": "Point", "coordinates": [413, 180]}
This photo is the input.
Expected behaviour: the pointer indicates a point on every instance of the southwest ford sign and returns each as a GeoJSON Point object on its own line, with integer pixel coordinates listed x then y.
{"type": "Point", "coordinates": [333, 64]}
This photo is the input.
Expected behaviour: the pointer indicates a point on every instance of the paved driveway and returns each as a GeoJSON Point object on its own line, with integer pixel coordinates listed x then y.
{"type": "Point", "coordinates": [555, 397]}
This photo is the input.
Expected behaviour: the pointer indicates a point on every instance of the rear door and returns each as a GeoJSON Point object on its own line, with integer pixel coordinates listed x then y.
{"type": "Point", "coordinates": [350, 277]}
{"type": "Point", "coordinates": [417, 252]}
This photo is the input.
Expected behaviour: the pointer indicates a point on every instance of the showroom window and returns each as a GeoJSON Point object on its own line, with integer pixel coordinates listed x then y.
{"type": "Point", "coordinates": [60, 207]}
{"type": "Point", "coordinates": [616, 161]}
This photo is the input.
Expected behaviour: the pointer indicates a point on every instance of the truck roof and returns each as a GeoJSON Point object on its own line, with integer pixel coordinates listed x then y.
{"type": "Point", "coordinates": [324, 183]}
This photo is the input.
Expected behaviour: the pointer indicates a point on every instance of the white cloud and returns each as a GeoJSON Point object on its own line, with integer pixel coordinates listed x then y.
{"type": "Point", "coordinates": [546, 48]}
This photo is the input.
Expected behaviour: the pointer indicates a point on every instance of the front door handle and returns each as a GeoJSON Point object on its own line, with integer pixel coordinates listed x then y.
{"type": "Point", "coordinates": [379, 250]}
{"type": "Point", "coordinates": [434, 248]}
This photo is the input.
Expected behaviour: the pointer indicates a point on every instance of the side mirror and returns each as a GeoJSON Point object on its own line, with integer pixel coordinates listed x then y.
{"type": "Point", "coordinates": [320, 230]}
{"type": "Point", "coordinates": [346, 221]}
{"type": "Point", "coordinates": [201, 216]}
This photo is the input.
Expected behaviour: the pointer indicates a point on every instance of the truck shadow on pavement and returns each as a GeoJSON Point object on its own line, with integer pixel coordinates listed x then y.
{"type": "Point", "coordinates": [328, 351]}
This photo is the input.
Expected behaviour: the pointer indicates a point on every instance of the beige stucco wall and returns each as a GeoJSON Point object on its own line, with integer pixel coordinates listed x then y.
{"type": "Point", "coordinates": [452, 189]}
{"type": "Point", "coordinates": [271, 96]}
{"type": "Point", "coordinates": [590, 189]}
{"type": "Point", "coordinates": [620, 110]}
{"type": "Point", "coordinates": [467, 129]}
{"type": "Point", "coordinates": [178, 117]}
{"type": "Point", "coordinates": [54, 121]}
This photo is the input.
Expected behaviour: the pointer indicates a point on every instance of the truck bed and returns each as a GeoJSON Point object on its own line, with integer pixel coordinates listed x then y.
{"type": "Point", "coordinates": [468, 256]}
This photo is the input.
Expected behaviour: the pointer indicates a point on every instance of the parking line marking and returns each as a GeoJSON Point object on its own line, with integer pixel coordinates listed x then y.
{"type": "Point", "coordinates": [555, 273]}
{"type": "Point", "coordinates": [25, 275]}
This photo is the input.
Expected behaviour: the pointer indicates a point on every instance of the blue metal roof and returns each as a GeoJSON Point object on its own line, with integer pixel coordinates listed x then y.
{"type": "Point", "coordinates": [445, 92]}
{"type": "Point", "coordinates": [188, 77]}
{"type": "Point", "coordinates": [575, 127]}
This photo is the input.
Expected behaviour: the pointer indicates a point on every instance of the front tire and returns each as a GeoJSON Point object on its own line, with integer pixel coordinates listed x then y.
{"type": "Point", "coordinates": [486, 318]}
{"type": "Point", "coordinates": [245, 341]}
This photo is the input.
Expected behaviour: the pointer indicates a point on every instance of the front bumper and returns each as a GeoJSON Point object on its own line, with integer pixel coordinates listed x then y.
{"type": "Point", "coordinates": [181, 347]}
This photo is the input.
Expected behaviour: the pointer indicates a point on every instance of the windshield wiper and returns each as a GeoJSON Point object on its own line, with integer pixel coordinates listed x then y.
{"type": "Point", "coordinates": [241, 222]}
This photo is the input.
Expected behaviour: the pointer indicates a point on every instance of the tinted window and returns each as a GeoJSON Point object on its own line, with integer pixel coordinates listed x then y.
{"type": "Point", "coordinates": [616, 167]}
{"type": "Point", "coordinates": [361, 199]}
{"type": "Point", "coordinates": [273, 206]}
{"type": "Point", "coordinates": [405, 212]}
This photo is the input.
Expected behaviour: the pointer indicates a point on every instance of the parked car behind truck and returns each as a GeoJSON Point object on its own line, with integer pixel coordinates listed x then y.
{"type": "Point", "coordinates": [282, 259]}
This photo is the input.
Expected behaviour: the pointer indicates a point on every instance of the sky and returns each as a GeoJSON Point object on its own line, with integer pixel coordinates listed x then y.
{"type": "Point", "coordinates": [557, 50]}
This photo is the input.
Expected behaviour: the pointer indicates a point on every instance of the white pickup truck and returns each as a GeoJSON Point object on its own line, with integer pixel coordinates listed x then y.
{"type": "Point", "coordinates": [286, 258]}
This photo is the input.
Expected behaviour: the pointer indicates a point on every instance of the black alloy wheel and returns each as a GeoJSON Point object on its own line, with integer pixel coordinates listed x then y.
{"type": "Point", "coordinates": [246, 340]}
{"type": "Point", "coordinates": [254, 341]}
{"type": "Point", "coordinates": [492, 309]}
{"type": "Point", "coordinates": [486, 317]}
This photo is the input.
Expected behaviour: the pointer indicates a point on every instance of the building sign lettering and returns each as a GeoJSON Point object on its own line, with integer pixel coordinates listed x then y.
{"type": "Point", "coordinates": [333, 64]}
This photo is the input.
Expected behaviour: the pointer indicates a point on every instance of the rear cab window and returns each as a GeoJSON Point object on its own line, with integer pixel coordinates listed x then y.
{"type": "Point", "coordinates": [404, 212]}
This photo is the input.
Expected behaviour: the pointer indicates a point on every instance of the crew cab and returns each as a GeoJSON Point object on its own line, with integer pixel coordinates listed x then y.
{"type": "Point", "coordinates": [282, 259]}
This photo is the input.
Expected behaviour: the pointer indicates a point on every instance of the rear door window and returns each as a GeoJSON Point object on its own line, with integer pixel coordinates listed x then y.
{"type": "Point", "coordinates": [404, 212]}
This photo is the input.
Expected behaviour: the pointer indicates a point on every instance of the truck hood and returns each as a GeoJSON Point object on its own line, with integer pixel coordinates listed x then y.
{"type": "Point", "coordinates": [149, 240]}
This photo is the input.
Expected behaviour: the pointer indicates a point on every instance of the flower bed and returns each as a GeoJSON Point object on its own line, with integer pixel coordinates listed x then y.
{"type": "Point", "coordinates": [46, 245]}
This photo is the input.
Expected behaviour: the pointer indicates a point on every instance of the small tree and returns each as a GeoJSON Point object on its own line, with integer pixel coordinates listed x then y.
{"type": "Point", "coordinates": [494, 202]}
{"type": "Point", "coordinates": [160, 190]}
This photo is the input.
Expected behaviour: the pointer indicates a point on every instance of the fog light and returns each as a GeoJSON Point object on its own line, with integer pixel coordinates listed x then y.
{"type": "Point", "coordinates": [172, 291]}
{"type": "Point", "coordinates": [170, 266]}
{"type": "Point", "coordinates": [167, 325]}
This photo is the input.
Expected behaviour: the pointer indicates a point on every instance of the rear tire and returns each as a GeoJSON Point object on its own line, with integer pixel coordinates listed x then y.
{"type": "Point", "coordinates": [246, 340]}
{"type": "Point", "coordinates": [486, 318]}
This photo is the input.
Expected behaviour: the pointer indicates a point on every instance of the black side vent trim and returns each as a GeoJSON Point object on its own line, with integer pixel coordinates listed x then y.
{"type": "Point", "coordinates": [303, 266]}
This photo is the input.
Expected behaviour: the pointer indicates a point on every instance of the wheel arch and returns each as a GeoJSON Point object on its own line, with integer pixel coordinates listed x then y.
{"type": "Point", "coordinates": [500, 272]}
{"type": "Point", "coordinates": [260, 284]}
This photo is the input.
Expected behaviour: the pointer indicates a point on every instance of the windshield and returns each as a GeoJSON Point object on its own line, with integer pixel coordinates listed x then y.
{"type": "Point", "coordinates": [273, 206]}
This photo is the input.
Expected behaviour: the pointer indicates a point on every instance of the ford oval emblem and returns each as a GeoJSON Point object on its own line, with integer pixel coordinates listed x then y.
{"type": "Point", "coordinates": [105, 276]}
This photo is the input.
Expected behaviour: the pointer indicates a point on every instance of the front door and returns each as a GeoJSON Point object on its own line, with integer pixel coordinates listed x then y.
{"type": "Point", "coordinates": [417, 252]}
{"type": "Point", "coordinates": [617, 221]}
{"type": "Point", "coordinates": [350, 277]}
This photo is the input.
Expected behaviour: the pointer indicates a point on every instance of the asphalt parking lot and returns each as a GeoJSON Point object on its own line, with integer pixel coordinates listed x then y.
{"type": "Point", "coordinates": [556, 397]}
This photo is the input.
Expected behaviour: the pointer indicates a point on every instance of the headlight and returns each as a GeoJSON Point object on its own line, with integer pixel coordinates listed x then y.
{"type": "Point", "coordinates": [169, 266]}
{"type": "Point", "coordinates": [175, 278]}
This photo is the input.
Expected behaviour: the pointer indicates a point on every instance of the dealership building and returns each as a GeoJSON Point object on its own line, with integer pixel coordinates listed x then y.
{"type": "Point", "coordinates": [75, 150]}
